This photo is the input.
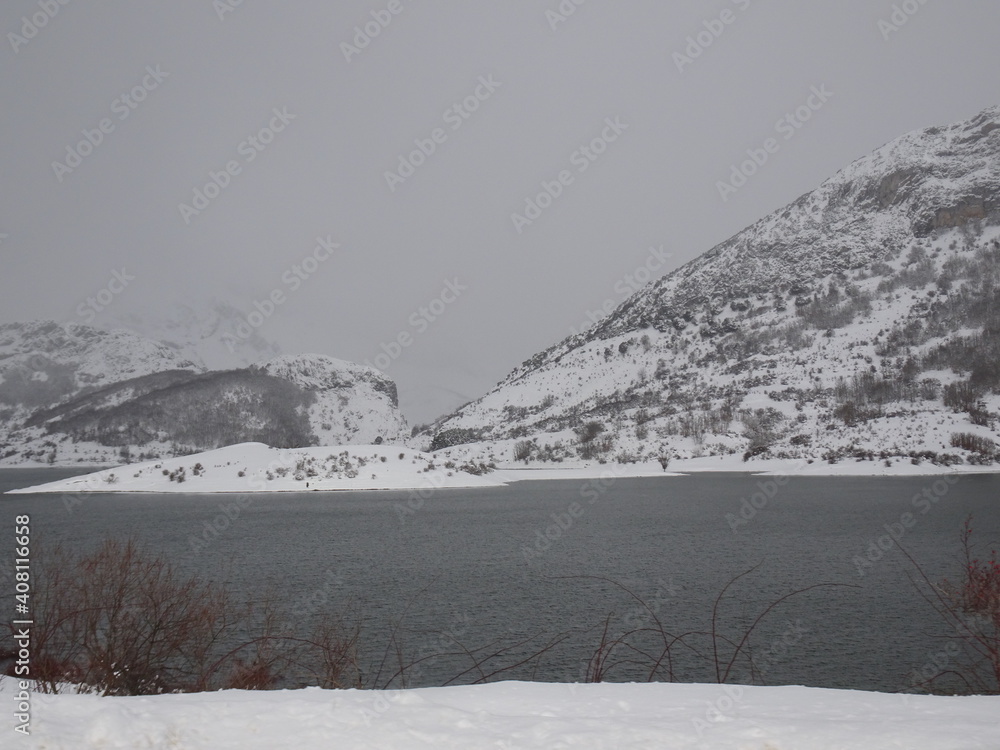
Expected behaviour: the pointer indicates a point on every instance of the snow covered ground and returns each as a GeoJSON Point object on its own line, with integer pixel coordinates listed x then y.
{"type": "Point", "coordinates": [735, 464]}
{"type": "Point", "coordinates": [255, 467]}
{"type": "Point", "coordinates": [514, 716]}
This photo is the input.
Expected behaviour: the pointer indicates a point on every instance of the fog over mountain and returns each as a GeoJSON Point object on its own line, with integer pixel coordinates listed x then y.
{"type": "Point", "coordinates": [252, 179]}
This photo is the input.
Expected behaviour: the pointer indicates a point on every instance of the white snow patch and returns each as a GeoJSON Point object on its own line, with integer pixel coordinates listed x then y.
{"type": "Point", "coordinates": [509, 715]}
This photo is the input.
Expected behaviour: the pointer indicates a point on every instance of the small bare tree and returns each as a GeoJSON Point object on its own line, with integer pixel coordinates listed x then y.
{"type": "Point", "coordinates": [971, 609]}
{"type": "Point", "coordinates": [120, 621]}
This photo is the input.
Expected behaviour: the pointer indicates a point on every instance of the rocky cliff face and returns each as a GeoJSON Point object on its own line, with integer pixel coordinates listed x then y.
{"type": "Point", "coordinates": [843, 323]}
{"type": "Point", "coordinates": [351, 403]}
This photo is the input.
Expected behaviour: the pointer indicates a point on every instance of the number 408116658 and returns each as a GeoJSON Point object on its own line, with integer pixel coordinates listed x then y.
{"type": "Point", "coordinates": [22, 562]}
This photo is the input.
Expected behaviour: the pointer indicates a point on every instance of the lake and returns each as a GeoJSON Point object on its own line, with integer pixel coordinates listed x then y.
{"type": "Point", "coordinates": [548, 557]}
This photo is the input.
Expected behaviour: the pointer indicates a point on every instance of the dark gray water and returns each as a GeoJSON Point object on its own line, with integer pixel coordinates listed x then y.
{"type": "Point", "coordinates": [471, 563]}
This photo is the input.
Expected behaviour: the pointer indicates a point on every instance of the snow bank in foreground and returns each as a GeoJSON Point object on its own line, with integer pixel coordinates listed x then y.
{"type": "Point", "coordinates": [509, 715]}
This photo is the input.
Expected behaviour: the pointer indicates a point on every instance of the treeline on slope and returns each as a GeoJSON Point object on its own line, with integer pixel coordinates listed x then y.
{"type": "Point", "coordinates": [966, 296]}
{"type": "Point", "coordinates": [963, 295]}
{"type": "Point", "coordinates": [90, 398]}
{"type": "Point", "coordinates": [206, 411]}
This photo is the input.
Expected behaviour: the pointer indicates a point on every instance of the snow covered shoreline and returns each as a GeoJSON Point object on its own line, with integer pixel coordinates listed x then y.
{"type": "Point", "coordinates": [522, 715]}
{"type": "Point", "coordinates": [257, 468]}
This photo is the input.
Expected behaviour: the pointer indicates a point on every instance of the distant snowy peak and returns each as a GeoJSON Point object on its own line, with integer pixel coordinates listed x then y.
{"type": "Point", "coordinates": [216, 334]}
{"type": "Point", "coordinates": [89, 356]}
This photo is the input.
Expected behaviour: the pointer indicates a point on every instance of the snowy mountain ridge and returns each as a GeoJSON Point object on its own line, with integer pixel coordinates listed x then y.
{"type": "Point", "coordinates": [860, 320]}
{"type": "Point", "coordinates": [74, 393]}
{"type": "Point", "coordinates": [76, 356]}
{"type": "Point", "coordinates": [927, 180]}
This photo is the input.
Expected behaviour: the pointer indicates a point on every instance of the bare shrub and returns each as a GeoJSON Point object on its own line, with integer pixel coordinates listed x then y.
{"type": "Point", "coordinates": [971, 609]}
{"type": "Point", "coordinates": [523, 450]}
{"type": "Point", "coordinates": [588, 431]}
{"type": "Point", "coordinates": [961, 396]}
{"type": "Point", "coordinates": [973, 443]}
{"type": "Point", "coordinates": [650, 646]}
{"type": "Point", "coordinates": [120, 621]}
{"type": "Point", "coordinates": [762, 427]}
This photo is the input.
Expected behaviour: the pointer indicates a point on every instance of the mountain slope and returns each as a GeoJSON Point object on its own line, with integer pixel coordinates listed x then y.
{"type": "Point", "coordinates": [75, 393]}
{"type": "Point", "coordinates": [41, 361]}
{"type": "Point", "coordinates": [350, 403]}
{"type": "Point", "coordinates": [863, 319]}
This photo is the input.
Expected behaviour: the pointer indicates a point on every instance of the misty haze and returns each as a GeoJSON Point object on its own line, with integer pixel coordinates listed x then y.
{"type": "Point", "coordinates": [520, 375]}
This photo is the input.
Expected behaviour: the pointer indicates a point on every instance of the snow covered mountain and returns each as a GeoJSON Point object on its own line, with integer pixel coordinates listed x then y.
{"type": "Point", "coordinates": [215, 334]}
{"type": "Point", "coordinates": [73, 393]}
{"type": "Point", "coordinates": [862, 320]}
{"type": "Point", "coordinates": [352, 404]}
{"type": "Point", "coordinates": [42, 361]}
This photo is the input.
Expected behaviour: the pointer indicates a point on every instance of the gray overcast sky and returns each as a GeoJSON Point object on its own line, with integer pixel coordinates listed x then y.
{"type": "Point", "coordinates": [552, 85]}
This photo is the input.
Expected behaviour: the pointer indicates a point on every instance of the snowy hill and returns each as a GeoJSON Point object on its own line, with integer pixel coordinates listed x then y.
{"type": "Point", "coordinates": [256, 467]}
{"type": "Point", "coordinates": [861, 321]}
{"type": "Point", "coordinates": [351, 403]}
{"type": "Point", "coordinates": [79, 394]}
{"type": "Point", "coordinates": [42, 361]}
